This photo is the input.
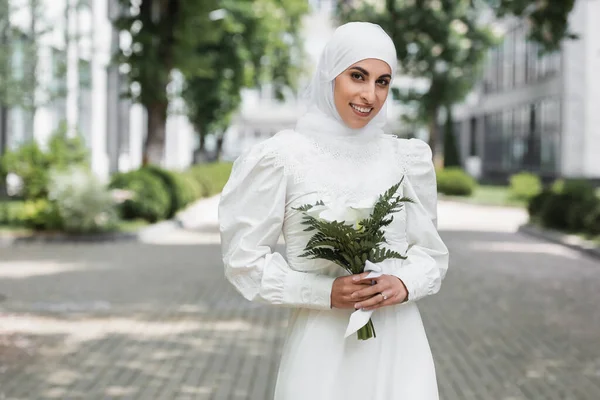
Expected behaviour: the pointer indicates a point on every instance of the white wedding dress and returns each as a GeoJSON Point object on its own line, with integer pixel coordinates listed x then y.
{"type": "Point", "coordinates": [292, 169]}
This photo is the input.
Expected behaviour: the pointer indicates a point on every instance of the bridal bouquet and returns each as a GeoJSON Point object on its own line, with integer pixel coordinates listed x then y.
{"type": "Point", "coordinates": [351, 236]}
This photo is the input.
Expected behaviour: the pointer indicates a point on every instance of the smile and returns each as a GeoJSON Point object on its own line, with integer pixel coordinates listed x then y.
{"type": "Point", "coordinates": [362, 111]}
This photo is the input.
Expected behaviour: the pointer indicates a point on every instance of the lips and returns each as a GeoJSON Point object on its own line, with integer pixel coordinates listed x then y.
{"type": "Point", "coordinates": [362, 111]}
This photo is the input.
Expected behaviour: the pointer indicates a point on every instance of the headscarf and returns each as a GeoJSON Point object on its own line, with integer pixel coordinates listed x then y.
{"type": "Point", "coordinates": [351, 43]}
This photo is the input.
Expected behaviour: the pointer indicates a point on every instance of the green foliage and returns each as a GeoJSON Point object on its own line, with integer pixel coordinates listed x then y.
{"type": "Point", "coordinates": [548, 20]}
{"type": "Point", "coordinates": [84, 204]}
{"type": "Point", "coordinates": [257, 42]}
{"type": "Point", "coordinates": [10, 212]}
{"type": "Point", "coordinates": [455, 182]}
{"type": "Point", "coordinates": [524, 186]}
{"type": "Point", "coordinates": [150, 199]}
{"type": "Point", "coordinates": [32, 164]}
{"type": "Point", "coordinates": [249, 42]}
{"type": "Point", "coordinates": [566, 206]}
{"type": "Point", "coordinates": [345, 245]}
{"type": "Point", "coordinates": [40, 214]}
{"type": "Point", "coordinates": [443, 42]}
{"type": "Point", "coordinates": [175, 185]}
{"type": "Point", "coordinates": [211, 177]}
{"type": "Point", "coordinates": [536, 203]}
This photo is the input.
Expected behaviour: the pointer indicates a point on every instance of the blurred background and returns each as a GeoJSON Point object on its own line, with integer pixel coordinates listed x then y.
{"type": "Point", "coordinates": [119, 123]}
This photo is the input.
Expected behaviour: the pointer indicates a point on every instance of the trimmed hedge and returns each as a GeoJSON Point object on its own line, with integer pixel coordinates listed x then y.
{"type": "Point", "coordinates": [568, 205]}
{"type": "Point", "coordinates": [176, 186]}
{"type": "Point", "coordinates": [455, 182]}
{"type": "Point", "coordinates": [150, 200]}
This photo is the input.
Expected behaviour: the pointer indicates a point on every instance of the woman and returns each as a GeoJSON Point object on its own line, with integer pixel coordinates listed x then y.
{"type": "Point", "coordinates": [338, 153]}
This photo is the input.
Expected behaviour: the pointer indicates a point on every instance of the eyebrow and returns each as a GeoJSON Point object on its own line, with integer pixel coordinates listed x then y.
{"type": "Point", "coordinates": [364, 71]}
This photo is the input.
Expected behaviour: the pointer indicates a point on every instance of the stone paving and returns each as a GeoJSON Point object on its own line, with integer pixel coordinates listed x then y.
{"type": "Point", "coordinates": [516, 319]}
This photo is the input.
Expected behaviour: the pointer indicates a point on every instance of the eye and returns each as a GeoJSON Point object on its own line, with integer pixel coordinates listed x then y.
{"type": "Point", "coordinates": [383, 82]}
{"type": "Point", "coordinates": [356, 75]}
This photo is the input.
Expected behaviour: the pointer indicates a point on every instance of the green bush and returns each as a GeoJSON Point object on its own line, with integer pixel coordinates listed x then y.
{"type": "Point", "coordinates": [40, 214]}
{"type": "Point", "coordinates": [524, 186]}
{"type": "Point", "coordinates": [83, 202]}
{"type": "Point", "coordinates": [211, 177]}
{"type": "Point", "coordinates": [455, 182]}
{"type": "Point", "coordinates": [32, 164]}
{"type": "Point", "coordinates": [592, 222]}
{"type": "Point", "coordinates": [536, 203]}
{"type": "Point", "coordinates": [10, 212]}
{"type": "Point", "coordinates": [150, 200]}
{"type": "Point", "coordinates": [568, 205]}
{"type": "Point", "coordinates": [176, 187]}
{"type": "Point", "coordinates": [193, 188]}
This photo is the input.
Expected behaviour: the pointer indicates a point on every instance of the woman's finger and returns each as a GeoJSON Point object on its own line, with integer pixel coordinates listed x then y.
{"type": "Point", "coordinates": [375, 300]}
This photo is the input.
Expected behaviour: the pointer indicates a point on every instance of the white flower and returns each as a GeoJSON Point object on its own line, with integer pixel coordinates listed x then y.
{"type": "Point", "coordinates": [342, 210]}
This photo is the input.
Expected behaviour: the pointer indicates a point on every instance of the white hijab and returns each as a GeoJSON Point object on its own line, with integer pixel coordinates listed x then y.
{"type": "Point", "coordinates": [351, 43]}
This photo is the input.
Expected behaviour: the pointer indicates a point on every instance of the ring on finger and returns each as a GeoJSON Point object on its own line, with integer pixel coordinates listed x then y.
{"type": "Point", "coordinates": [384, 296]}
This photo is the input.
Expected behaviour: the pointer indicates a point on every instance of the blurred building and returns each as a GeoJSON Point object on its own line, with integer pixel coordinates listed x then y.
{"type": "Point", "coordinates": [77, 84]}
{"type": "Point", "coordinates": [539, 114]}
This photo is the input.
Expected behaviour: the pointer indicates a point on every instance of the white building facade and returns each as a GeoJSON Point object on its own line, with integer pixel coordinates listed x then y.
{"type": "Point", "coordinates": [79, 86]}
{"type": "Point", "coordinates": [538, 114]}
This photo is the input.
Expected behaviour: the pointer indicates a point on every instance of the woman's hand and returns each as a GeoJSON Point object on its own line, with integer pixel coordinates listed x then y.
{"type": "Point", "coordinates": [343, 290]}
{"type": "Point", "coordinates": [387, 290]}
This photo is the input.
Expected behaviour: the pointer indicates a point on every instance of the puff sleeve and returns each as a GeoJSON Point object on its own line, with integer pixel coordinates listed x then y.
{"type": "Point", "coordinates": [427, 255]}
{"type": "Point", "coordinates": [251, 215]}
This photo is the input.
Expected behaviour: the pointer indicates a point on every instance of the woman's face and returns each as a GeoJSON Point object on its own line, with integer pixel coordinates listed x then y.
{"type": "Point", "coordinates": [361, 90]}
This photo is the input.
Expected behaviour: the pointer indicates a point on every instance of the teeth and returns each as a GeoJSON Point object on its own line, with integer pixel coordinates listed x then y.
{"type": "Point", "coordinates": [361, 109]}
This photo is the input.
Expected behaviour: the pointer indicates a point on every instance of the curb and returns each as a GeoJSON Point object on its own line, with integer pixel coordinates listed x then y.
{"type": "Point", "coordinates": [158, 228]}
{"type": "Point", "coordinates": [571, 241]}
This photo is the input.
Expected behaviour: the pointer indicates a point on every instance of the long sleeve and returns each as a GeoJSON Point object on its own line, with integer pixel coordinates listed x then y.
{"type": "Point", "coordinates": [427, 256]}
{"type": "Point", "coordinates": [251, 215]}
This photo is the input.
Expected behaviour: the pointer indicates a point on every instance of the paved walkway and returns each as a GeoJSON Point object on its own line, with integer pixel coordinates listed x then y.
{"type": "Point", "coordinates": [516, 319]}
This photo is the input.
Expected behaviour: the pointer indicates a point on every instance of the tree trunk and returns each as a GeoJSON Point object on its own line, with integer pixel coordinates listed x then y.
{"type": "Point", "coordinates": [154, 146]}
{"type": "Point", "coordinates": [219, 148]}
{"type": "Point", "coordinates": [433, 133]}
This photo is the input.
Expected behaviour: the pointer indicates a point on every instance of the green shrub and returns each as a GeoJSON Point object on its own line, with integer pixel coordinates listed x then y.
{"type": "Point", "coordinates": [455, 182]}
{"type": "Point", "coordinates": [10, 212]}
{"type": "Point", "coordinates": [211, 177]}
{"type": "Point", "coordinates": [592, 222]}
{"type": "Point", "coordinates": [83, 202]}
{"type": "Point", "coordinates": [193, 188]}
{"type": "Point", "coordinates": [176, 187]}
{"type": "Point", "coordinates": [568, 205]}
{"type": "Point", "coordinates": [40, 214]}
{"type": "Point", "coordinates": [536, 203]}
{"type": "Point", "coordinates": [150, 199]}
{"type": "Point", "coordinates": [524, 186]}
{"type": "Point", "coordinates": [32, 164]}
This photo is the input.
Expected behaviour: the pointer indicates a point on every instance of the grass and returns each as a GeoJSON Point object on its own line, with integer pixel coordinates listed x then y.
{"type": "Point", "coordinates": [489, 195]}
{"type": "Point", "coordinates": [122, 226]}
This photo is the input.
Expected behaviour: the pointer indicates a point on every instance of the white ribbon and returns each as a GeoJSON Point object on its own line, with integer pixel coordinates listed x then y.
{"type": "Point", "coordinates": [359, 318]}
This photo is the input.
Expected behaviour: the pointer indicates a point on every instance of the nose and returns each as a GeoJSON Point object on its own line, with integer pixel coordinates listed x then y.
{"type": "Point", "coordinates": [368, 94]}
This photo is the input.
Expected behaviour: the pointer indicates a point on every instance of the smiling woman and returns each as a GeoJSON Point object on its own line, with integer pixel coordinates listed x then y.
{"type": "Point", "coordinates": [361, 91]}
{"type": "Point", "coordinates": [339, 154]}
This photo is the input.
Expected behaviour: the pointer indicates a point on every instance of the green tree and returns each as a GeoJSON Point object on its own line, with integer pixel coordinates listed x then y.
{"type": "Point", "coordinates": [548, 20]}
{"type": "Point", "coordinates": [165, 36]}
{"type": "Point", "coordinates": [440, 40]}
{"type": "Point", "coordinates": [259, 42]}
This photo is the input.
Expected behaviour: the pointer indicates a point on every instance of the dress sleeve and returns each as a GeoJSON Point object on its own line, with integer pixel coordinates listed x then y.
{"type": "Point", "coordinates": [251, 215]}
{"type": "Point", "coordinates": [427, 256]}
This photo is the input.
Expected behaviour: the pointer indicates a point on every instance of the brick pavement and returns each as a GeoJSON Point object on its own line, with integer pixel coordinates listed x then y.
{"type": "Point", "coordinates": [516, 319]}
